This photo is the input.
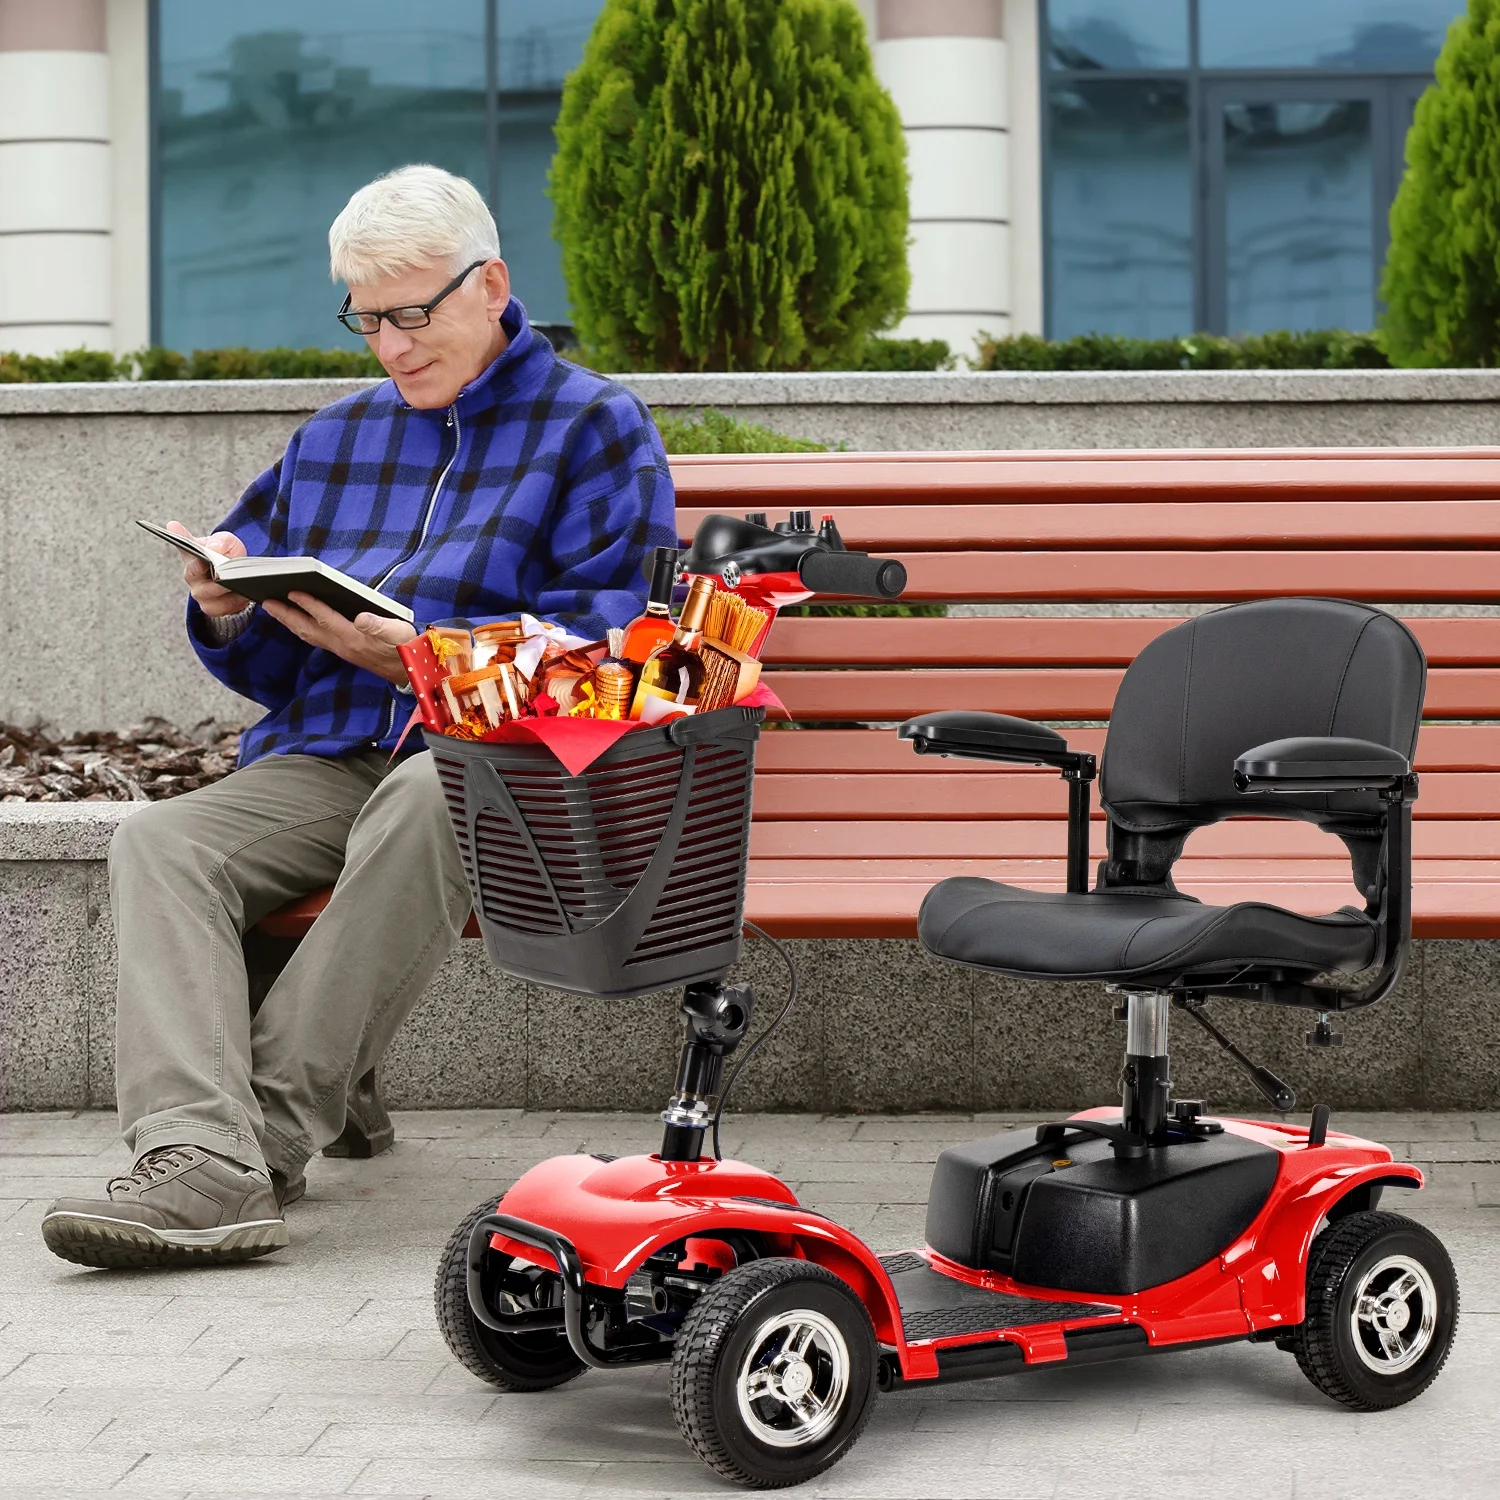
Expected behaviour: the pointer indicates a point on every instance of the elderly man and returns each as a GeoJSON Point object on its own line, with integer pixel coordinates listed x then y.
{"type": "Point", "coordinates": [487, 476]}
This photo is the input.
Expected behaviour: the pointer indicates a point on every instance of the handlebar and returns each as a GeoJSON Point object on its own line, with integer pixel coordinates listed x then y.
{"type": "Point", "coordinates": [852, 573]}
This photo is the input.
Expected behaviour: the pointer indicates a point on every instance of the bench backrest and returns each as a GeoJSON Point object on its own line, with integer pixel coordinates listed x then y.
{"type": "Point", "coordinates": [1094, 531]}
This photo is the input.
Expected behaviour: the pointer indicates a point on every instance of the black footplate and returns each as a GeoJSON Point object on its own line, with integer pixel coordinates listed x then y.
{"type": "Point", "coordinates": [935, 1306]}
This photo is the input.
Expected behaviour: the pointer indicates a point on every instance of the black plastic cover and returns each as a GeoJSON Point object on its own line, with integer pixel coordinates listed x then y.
{"type": "Point", "coordinates": [1098, 1225]}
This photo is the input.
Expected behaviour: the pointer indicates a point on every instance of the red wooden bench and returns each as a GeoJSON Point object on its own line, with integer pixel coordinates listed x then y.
{"type": "Point", "coordinates": [851, 828]}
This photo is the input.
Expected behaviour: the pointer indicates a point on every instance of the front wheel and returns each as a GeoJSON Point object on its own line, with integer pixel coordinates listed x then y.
{"type": "Point", "coordinates": [773, 1373]}
{"type": "Point", "coordinates": [534, 1360]}
{"type": "Point", "coordinates": [1382, 1307]}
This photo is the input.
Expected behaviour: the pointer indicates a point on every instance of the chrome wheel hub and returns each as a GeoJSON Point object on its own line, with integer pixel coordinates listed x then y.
{"type": "Point", "coordinates": [1394, 1314]}
{"type": "Point", "coordinates": [793, 1379]}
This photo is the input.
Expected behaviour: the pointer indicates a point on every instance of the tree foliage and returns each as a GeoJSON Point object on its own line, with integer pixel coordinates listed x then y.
{"type": "Point", "coordinates": [730, 187]}
{"type": "Point", "coordinates": [1442, 274]}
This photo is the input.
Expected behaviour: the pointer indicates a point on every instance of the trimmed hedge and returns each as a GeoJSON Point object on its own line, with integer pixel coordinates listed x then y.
{"type": "Point", "coordinates": [1324, 349]}
{"type": "Point", "coordinates": [201, 364]}
{"type": "Point", "coordinates": [713, 431]}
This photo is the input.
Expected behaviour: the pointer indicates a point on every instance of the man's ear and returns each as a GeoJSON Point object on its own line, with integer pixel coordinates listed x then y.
{"type": "Point", "coordinates": [496, 287]}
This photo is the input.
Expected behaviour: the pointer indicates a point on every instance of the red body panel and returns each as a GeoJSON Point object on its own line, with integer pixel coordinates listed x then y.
{"type": "Point", "coordinates": [618, 1213]}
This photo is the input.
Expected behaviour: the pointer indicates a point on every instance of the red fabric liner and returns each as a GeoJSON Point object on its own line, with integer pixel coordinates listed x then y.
{"type": "Point", "coordinates": [578, 743]}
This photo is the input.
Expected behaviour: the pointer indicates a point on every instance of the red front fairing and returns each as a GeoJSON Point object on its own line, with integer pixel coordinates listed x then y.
{"type": "Point", "coordinates": [620, 1212]}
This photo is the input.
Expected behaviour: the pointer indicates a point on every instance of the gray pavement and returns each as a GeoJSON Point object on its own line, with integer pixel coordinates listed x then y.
{"type": "Point", "coordinates": [319, 1370]}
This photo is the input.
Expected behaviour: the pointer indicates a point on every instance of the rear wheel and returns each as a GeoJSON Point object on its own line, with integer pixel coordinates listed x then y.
{"type": "Point", "coordinates": [530, 1361]}
{"type": "Point", "coordinates": [1382, 1307]}
{"type": "Point", "coordinates": [773, 1374]}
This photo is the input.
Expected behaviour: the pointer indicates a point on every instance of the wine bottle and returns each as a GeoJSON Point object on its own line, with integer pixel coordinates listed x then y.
{"type": "Point", "coordinates": [653, 628]}
{"type": "Point", "coordinates": [671, 680]}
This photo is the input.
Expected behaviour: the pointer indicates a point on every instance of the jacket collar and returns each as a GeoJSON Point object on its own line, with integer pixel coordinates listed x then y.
{"type": "Point", "coordinates": [514, 369]}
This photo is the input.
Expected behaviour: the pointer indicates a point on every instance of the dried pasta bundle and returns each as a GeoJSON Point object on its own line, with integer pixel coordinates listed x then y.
{"type": "Point", "coordinates": [733, 622]}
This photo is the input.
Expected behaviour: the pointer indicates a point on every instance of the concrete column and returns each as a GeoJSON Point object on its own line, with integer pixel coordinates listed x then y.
{"type": "Point", "coordinates": [55, 265]}
{"type": "Point", "coordinates": [944, 62]}
{"type": "Point", "coordinates": [1024, 112]}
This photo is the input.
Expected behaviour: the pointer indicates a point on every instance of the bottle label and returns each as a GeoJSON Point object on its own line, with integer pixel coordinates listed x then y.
{"type": "Point", "coordinates": [653, 705]}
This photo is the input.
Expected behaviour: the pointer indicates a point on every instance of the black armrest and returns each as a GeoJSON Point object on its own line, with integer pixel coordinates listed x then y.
{"type": "Point", "coordinates": [958, 731]}
{"type": "Point", "coordinates": [1319, 764]}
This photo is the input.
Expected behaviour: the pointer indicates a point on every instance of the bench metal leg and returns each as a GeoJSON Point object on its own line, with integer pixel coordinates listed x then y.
{"type": "Point", "coordinates": [367, 1127]}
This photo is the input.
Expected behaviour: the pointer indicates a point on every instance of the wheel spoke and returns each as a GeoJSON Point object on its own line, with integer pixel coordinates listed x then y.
{"type": "Point", "coordinates": [1404, 1287]}
{"type": "Point", "coordinates": [800, 1340]}
{"type": "Point", "coordinates": [758, 1385]}
{"type": "Point", "coordinates": [807, 1409]}
{"type": "Point", "coordinates": [1390, 1342]}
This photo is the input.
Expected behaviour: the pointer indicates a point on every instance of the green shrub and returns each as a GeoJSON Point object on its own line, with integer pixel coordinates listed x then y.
{"type": "Point", "coordinates": [730, 187]}
{"type": "Point", "coordinates": [905, 354]}
{"type": "Point", "coordinates": [1323, 349]}
{"type": "Point", "coordinates": [1442, 271]}
{"type": "Point", "coordinates": [714, 432]}
{"type": "Point", "coordinates": [73, 364]}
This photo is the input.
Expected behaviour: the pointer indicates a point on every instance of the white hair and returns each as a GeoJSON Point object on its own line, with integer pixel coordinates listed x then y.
{"type": "Point", "coordinates": [409, 218]}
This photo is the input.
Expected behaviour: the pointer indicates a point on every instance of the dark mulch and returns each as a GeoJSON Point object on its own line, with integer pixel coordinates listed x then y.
{"type": "Point", "coordinates": [145, 763]}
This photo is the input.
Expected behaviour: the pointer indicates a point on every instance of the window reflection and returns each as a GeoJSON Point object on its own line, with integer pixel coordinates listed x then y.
{"type": "Point", "coordinates": [1298, 211]}
{"type": "Point", "coordinates": [1120, 224]}
{"type": "Point", "coordinates": [269, 115]}
{"type": "Point", "coordinates": [1118, 33]}
{"type": "Point", "coordinates": [1356, 35]}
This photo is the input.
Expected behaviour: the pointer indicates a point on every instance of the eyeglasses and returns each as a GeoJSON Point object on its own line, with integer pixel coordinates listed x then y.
{"type": "Point", "coordinates": [401, 317]}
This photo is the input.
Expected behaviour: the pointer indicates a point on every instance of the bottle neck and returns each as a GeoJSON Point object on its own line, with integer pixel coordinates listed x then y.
{"type": "Point", "coordinates": [690, 636]}
{"type": "Point", "coordinates": [658, 610]}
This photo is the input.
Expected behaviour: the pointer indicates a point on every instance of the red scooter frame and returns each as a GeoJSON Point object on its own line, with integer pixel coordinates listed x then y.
{"type": "Point", "coordinates": [596, 1222]}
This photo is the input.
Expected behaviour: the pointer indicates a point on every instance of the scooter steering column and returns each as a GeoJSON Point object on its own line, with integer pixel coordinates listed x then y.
{"type": "Point", "coordinates": [717, 1017]}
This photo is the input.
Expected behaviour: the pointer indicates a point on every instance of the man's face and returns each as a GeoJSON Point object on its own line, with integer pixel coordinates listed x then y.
{"type": "Point", "coordinates": [431, 365]}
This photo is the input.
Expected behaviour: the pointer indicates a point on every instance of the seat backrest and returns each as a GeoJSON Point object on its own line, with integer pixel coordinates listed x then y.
{"type": "Point", "coordinates": [1205, 692]}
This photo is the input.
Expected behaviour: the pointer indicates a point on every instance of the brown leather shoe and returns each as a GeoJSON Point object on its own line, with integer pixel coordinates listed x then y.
{"type": "Point", "coordinates": [179, 1206]}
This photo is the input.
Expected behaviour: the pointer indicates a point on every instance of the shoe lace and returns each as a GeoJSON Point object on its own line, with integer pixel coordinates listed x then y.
{"type": "Point", "coordinates": [153, 1164]}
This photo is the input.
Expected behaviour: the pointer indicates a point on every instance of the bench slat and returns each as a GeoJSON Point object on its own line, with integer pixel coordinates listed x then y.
{"type": "Point", "coordinates": [1176, 525]}
{"type": "Point", "coordinates": [1042, 838]}
{"type": "Point", "coordinates": [836, 901]}
{"type": "Point", "coordinates": [1441, 747]}
{"type": "Point", "coordinates": [1029, 640]}
{"type": "Point", "coordinates": [898, 797]}
{"type": "Point", "coordinates": [1044, 693]}
{"type": "Point", "coordinates": [818, 481]}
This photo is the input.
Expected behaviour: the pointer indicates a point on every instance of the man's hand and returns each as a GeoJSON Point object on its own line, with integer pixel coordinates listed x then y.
{"type": "Point", "coordinates": [213, 598]}
{"type": "Point", "coordinates": [369, 642]}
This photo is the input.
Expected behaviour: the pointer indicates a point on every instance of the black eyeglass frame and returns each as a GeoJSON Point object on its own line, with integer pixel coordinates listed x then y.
{"type": "Point", "coordinates": [390, 314]}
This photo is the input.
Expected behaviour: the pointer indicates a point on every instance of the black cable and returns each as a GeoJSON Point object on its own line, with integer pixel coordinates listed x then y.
{"type": "Point", "coordinates": [765, 1036]}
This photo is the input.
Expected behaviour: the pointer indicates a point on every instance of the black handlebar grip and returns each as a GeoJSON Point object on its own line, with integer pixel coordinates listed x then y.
{"type": "Point", "coordinates": [852, 573]}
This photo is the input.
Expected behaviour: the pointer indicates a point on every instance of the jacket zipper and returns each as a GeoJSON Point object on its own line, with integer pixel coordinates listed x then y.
{"type": "Point", "coordinates": [437, 489]}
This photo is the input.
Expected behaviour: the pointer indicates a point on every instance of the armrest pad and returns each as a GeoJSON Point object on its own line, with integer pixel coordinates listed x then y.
{"type": "Point", "coordinates": [1318, 764]}
{"type": "Point", "coordinates": [960, 731]}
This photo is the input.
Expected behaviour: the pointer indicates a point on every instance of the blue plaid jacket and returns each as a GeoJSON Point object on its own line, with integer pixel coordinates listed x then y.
{"type": "Point", "coordinates": [541, 489]}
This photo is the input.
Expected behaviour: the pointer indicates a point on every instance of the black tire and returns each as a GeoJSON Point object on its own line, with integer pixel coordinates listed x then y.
{"type": "Point", "coordinates": [512, 1361]}
{"type": "Point", "coordinates": [723, 1337]}
{"type": "Point", "coordinates": [1342, 1355]}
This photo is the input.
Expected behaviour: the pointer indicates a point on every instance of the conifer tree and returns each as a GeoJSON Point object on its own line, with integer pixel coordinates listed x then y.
{"type": "Point", "coordinates": [1442, 274]}
{"type": "Point", "coordinates": [730, 187]}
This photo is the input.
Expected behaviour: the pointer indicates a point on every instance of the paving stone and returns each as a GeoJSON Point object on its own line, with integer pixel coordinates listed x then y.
{"type": "Point", "coordinates": [264, 1473]}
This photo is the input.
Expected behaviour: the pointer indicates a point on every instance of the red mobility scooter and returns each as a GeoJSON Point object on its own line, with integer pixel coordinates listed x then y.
{"type": "Point", "coordinates": [1116, 1233]}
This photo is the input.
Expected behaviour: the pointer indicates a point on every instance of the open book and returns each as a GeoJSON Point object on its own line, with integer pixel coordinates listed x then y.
{"type": "Point", "coordinates": [262, 578]}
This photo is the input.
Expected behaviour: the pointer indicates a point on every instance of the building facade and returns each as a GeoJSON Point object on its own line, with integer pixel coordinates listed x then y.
{"type": "Point", "coordinates": [169, 168]}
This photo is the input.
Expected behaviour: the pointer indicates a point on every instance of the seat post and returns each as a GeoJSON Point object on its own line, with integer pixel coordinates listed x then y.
{"type": "Point", "coordinates": [1148, 1075]}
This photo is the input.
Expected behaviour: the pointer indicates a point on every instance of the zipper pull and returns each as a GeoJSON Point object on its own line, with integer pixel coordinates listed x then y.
{"type": "Point", "coordinates": [449, 422]}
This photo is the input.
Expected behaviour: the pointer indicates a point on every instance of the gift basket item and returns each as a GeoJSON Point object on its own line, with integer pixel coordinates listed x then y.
{"type": "Point", "coordinates": [625, 879]}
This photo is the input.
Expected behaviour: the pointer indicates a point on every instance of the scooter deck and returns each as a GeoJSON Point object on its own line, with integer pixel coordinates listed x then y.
{"type": "Point", "coordinates": [934, 1306]}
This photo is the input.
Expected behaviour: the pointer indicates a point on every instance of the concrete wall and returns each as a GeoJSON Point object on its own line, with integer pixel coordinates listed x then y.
{"type": "Point", "coordinates": [88, 604]}
{"type": "Point", "coordinates": [927, 1036]}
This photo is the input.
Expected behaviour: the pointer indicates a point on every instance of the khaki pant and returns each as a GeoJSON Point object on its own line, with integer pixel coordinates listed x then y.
{"type": "Point", "coordinates": [187, 877]}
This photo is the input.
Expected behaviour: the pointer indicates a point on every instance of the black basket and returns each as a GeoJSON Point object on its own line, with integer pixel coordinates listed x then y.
{"type": "Point", "coordinates": [626, 879]}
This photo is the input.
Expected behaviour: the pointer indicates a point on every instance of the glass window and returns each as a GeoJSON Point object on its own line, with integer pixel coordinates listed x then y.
{"type": "Point", "coordinates": [1299, 214]}
{"type": "Point", "coordinates": [1119, 243]}
{"type": "Point", "coordinates": [269, 117]}
{"type": "Point", "coordinates": [1118, 33]}
{"type": "Point", "coordinates": [1368, 36]}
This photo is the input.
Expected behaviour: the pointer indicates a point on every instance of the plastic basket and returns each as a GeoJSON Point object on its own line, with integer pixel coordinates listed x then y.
{"type": "Point", "coordinates": [626, 879]}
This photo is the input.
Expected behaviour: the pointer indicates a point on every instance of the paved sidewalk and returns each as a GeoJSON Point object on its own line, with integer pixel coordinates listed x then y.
{"type": "Point", "coordinates": [319, 1370]}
